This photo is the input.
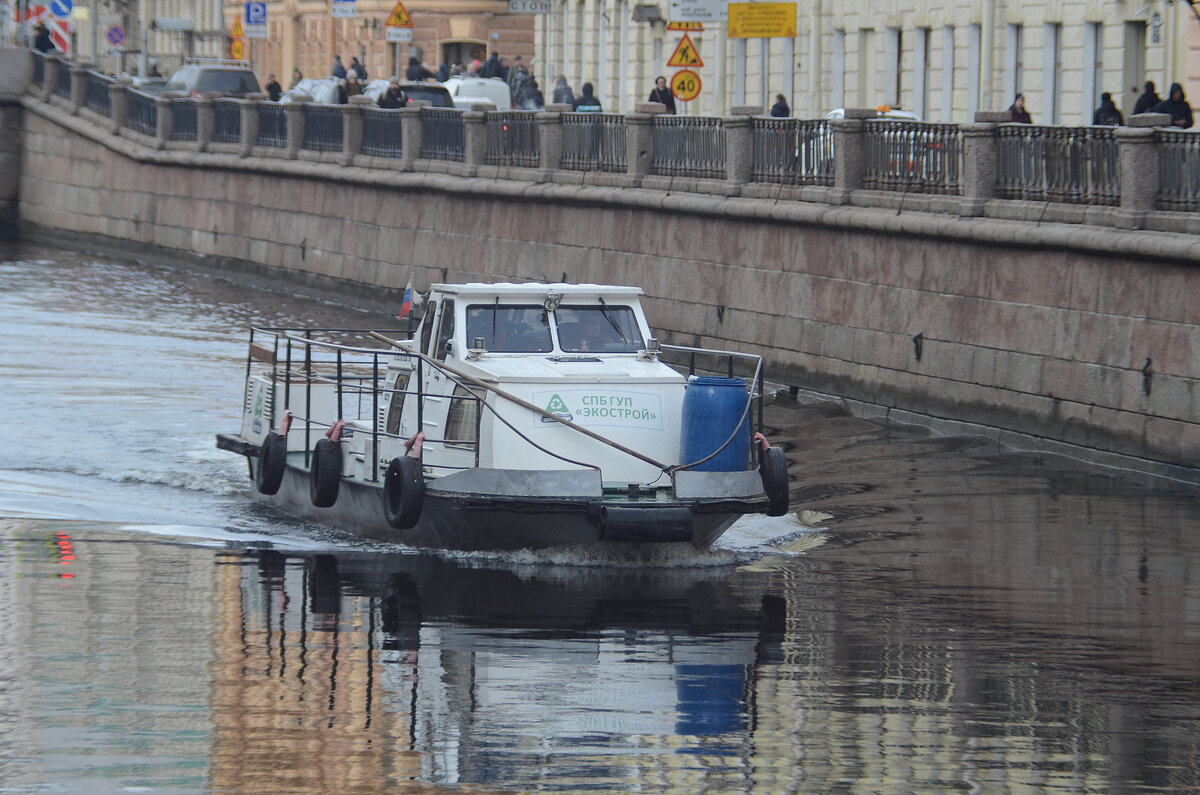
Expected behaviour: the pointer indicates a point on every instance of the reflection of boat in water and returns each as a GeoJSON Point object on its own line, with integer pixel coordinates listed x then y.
{"type": "Point", "coordinates": [493, 674]}
{"type": "Point", "coordinates": [520, 415]}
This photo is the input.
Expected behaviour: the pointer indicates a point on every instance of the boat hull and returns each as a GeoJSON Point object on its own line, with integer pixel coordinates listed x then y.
{"type": "Point", "coordinates": [481, 522]}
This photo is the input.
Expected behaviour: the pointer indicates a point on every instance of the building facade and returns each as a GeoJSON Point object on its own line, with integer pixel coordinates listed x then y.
{"type": "Point", "coordinates": [942, 60]}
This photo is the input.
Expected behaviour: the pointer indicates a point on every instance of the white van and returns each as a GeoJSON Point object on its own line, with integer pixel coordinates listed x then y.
{"type": "Point", "coordinates": [468, 90]}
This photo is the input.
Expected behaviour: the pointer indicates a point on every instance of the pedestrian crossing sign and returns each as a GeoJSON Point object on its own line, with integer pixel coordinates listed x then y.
{"type": "Point", "coordinates": [399, 17]}
{"type": "Point", "coordinates": [685, 54]}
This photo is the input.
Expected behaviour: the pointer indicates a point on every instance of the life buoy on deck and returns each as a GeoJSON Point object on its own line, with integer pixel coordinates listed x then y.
{"type": "Point", "coordinates": [403, 492]}
{"type": "Point", "coordinates": [325, 473]}
{"type": "Point", "coordinates": [272, 460]}
{"type": "Point", "coordinates": [773, 468]}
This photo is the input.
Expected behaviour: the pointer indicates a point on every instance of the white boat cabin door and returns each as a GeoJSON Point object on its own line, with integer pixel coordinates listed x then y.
{"type": "Point", "coordinates": [450, 410]}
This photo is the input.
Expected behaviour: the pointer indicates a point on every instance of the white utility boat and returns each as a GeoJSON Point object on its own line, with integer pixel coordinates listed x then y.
{"type": "Point", "coordinates": [517, 416]}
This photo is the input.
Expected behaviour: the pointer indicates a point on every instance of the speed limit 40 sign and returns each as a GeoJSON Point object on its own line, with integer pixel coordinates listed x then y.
{"type": "Point", "coordinates": [685, 85]}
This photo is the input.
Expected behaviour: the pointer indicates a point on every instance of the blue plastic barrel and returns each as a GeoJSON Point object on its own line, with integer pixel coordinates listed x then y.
{"type": "Point", "coordinates": [711, 410]}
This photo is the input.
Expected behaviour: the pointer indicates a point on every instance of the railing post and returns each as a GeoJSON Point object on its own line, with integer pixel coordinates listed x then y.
{"type": "Point", "coordinates": [248, 110]}
{"type": "Point", "coordinates": [550, 143]}
{"type": "Point", "coordinates": [410, 134]}
{"type": "Point", "coordinates": [739, 147]}
{"type": "Point", "coordinates": [118, 100]}
{"type": "Point", "coordinates": [639, 141]}
{"type": "Point", "coordinates": [165, 121]}
{"type": "Point", "coordinates": [54, 66]}
{"type": "Point", "coordinates": [294, 114]}
{"type": "Point", "coordinates": [849, 152]}
{"type": "Point", "coordinates": [980, 161]}
{"type": "Point", "coordinates": [1137, 168]}
{"type": "Point", "coordinates": [205, 122]}
{"type": "Point", "coordinates": [78, 87]}
{"type": "Point", "coordinates": [475, 138]}
{"type": "Point", "coordinates": [352, 126]}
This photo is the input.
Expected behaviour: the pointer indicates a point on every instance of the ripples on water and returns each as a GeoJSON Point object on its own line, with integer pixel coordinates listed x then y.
{"type": "Point", "coordinates": [940, 614]}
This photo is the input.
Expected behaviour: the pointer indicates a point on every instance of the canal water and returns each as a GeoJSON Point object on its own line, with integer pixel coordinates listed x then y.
{"type": "Point", "coordinates": [937, 615]}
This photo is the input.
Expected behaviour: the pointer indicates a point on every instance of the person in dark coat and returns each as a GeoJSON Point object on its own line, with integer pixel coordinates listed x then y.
{"type": "Point", "coordinates": [443, 73]}
{"type": "Point", "coordinates": [660, 93]}
{"type": "Point", "coordinates": [780, 109]}
{"type": "Point", "coordinates": [394, 98]}
{"type": "Point", "coordinates": [492, 67]}
{"type": "Point", "coordinates": [1017, 112]}
{"type": "Point", "coordinates": [274, 90]}
{"type": "Point", "coordinates": [1107, 114]}
{"type": "Point", "coordinates": [359, 70]}
{"type": "Point", "coordinates": [563, 95]}
{"type": "Point", "coordinates": [416, 73]}
{"type": "Point", "coordinates": [1148, 101]}
{"type": "Point", "coordinates": [1176, 107]}
{"type": "Point", "coordinates": [41, 39]}
{"type": "Point", "coordinates": [338, 70]}
{"type": "Point", "coordinates": [586, 102]}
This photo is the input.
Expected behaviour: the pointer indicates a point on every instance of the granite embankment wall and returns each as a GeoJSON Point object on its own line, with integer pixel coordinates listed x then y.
{"type": "Point", "coordinates": [1024, 328]}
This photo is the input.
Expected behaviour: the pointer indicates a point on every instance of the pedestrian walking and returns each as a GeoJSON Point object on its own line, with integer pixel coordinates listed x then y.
{"type": "Point", "coordinates": [1017, 111]}
{"type": "Point", "coordinates": [338, 70]}
{"type": "Point", "coordinates": [352, 86]}
{"type": "Point", "coordinates": [359, 70]}
{"type": "Point", "coordinates": [531, 97]}
{"type": "Point", "coordinates": [587, 102]}
{"type": "Point", "coordinates": [780, 109]}
{"type": "Point", "coordinates": [416, 72]}
{"type": "Point", "coordinates": [563, 95]}
{"type": "Point", "coordinates": [394, 98]}
{"type": "Point", "coordinates": [41, 39]}
{"type": "Point", "coordinates": [1177, 107]}
{"type": "Point", "coordinates": [660, 93]}
{"type": "Point", "coordinates": [274, 90]}
{"type": "Point", "coordinates": [1107, 114]}
{"type": "Point", "coordinates": [297, 76]}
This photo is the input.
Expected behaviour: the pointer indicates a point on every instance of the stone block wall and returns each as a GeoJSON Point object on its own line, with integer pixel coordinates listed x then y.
{"type": "Point", "coordinates": [1051, 341]}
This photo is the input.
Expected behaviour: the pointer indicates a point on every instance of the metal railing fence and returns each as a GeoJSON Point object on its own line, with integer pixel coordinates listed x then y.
{"type": "Point", "coordinates": [63, 87]}
{"type": "Point", "coordinates": [143, 113]}
{"type": "Point", "coordinates": [381, 133]}
{"type": "Point", "coordinates": [1178, 170]}
{"type": "Point", "coordinates": [272, 126]}
{"type": "Point", "coordinates": [1075, 165]}
{"type": "Point", "coordinates": [912, 156]}
{"type": "Point", "coordinates": [96, 95]}
{"type": "Point", "coordinates": [183, 120]}
{"type": "Point", "coordinates": [39, 68]}
{"type": "Point", "coordinates": [443, 136]}
{"type": "Point", "coordinates": [323, 128]}
{"type": "Point", "coordinates": [792, 151]}
{"type": "Point", "coordinates": [688, 146]}
{"type": "Point", "coordinates": [227, 121]}
{"type": "Point", "coordinates": [593, 142]}
{"type": "Point", "coordinates": [512, 139]}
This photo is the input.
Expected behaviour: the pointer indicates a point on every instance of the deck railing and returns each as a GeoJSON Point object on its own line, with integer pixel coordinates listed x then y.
{"type": "Point", "coordinates": [183, 120]}
{"type": "Point", "coordinates": [593, 142]}
{"type": "Point", "coordinates": [442, 134]}
{"type": "Point", "coordinates": [688, 146]}
{"type": "Point", "coordinates": [63, 87]}
{"type": "Point", "coordinates": [512, 139]}
{"type": "Point", "coordinates": [39, 68]}
{"type": "Point", "coordinates": [227, 121]}
{"type": "Point", "coordinates": [792, 151]}
{"type": "Point", "coordinates": [1076, 165]}
{"type": "Point", "coordinates": [914, 157]}
{"type": "Point", "coordinates": [381, 133]}
{"type": "Point", "coordinates": [322, 128]}
{"type": "Point", "coordinates": [143, 113]}
{"type": "Point", "coordinates": [97, 96]}
{"type": "Point", "coordinates": [1178, 170]}
{"type": "Point", "coordinates": [272, 126]}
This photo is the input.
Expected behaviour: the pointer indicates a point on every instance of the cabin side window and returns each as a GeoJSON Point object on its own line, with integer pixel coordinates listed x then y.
{"type": "Point", "coordinates": [462, 427]}
{"type": "Point", "coordinates": [396, 404]}
{"type": "Point", "coordinates": [445, 330]}
{"type": "Point", "coordinates": [427, 326]}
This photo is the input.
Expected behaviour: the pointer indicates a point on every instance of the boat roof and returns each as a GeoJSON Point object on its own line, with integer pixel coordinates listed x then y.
{"type": "Point", "coordinates": [535, 289]}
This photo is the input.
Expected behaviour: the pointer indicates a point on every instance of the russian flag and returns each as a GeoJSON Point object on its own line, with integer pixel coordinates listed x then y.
{"type": "Point", "coordinates": [407, 304]}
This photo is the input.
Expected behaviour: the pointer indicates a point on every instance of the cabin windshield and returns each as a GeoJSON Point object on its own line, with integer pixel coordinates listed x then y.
{"type": "Point", "coordinates": [506, 328]}
{"type": "Point", "coordinates": [598, 329]}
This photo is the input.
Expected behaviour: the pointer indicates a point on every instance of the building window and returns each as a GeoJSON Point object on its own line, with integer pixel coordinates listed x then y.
{"type": "Point", "coordinates": [839, 69]}
{"type": "Point", "coordinates": [1013, 62]}
{"type": "Point", "coordinates": [893, 52]}
{"type": "Point", "coordinates": [948, 73]}
{"type": "Point", "coordinates": [1052, 72]}
{"type": "Point", "coordinates": [975, 53]}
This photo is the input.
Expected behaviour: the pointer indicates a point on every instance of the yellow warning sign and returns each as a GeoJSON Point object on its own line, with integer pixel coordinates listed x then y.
{"type": "Point", "coordinates": [694, 27]}
{"type": "Point", "coordinates": [686, 85]}
{"type": "Point", "coordinates": [685, 54]}
{"type": "Point", "coordinates": [237, 50]}
{"type": "Point", "coordinates": [399, 17]}
{"type": "Point", "coordinates": [762, 20]}
{"type": "Point", "coordinates": [237, 31]}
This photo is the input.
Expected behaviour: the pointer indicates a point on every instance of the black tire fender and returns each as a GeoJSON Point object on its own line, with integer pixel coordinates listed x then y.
{"type": "Point", "coordinates": [403, 492]}
{"type": "Point", "coordinates": [325, 473]}
{"type": "Point", "coordinates": [272, 460]}
{"type": "Point", "coordinates": [773, 467]}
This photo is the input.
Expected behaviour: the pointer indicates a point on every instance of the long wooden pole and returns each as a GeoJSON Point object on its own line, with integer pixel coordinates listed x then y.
{"type": "Point", "coordinates": [521, 402]}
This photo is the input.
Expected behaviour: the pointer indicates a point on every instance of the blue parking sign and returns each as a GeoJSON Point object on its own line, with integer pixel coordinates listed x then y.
{"type": "Point", "coordinates": [256, 13]}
